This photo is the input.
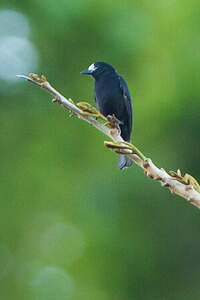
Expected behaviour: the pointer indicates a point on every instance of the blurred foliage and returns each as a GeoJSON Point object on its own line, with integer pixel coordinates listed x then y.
{"type": "Point", "coordinates": [72, 226]}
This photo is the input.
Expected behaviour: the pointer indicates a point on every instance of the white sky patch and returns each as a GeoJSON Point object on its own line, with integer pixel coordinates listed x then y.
{"type": "Point", "coordinates": [92, 67]}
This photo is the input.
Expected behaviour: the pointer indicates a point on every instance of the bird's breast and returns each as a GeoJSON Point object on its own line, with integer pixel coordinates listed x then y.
{"type": "Point", "coordinates": [108, 95]}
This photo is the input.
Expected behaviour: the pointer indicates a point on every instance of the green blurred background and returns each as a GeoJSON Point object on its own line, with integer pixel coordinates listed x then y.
{"type": "Point", "coordinates": [72, 226]}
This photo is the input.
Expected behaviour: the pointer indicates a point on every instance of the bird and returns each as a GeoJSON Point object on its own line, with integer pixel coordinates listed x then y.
{"type": "Point", "coordinates": [112, 96]}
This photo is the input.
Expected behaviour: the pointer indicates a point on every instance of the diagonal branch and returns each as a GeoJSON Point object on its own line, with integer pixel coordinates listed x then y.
{"type": "Point", "coordinates": [185, 186]}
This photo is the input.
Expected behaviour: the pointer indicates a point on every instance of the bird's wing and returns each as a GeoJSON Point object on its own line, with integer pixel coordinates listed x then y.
{"type": "Point", "coordinates": [127, 99]}
{"type": "Point", "coordinates": [95, 97]}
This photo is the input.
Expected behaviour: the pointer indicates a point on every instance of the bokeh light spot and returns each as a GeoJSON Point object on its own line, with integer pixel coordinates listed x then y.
{"type": "Point", "coordinates": [52, 283]}
{"type": "Point", "coordinates": [17, 56]}
{"type": "Point", "coordinates": [13, 23]}
{"type": "Point", "coordinates": [66, 10]}
{"type": "Point", "coordinates": [131, 28]}
{"type": "Point", "coordinates": [62, 243]}
{"type": "Point", "coordinates": [25, 271]}
{"type": "Point", "coordinates": [17, 53]}
{"type": "Point", "coordinates": [5, 261]}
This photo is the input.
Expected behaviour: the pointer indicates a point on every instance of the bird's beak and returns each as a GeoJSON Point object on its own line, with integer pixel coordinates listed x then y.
{"type": "Point", "coordinates": [86, 72]}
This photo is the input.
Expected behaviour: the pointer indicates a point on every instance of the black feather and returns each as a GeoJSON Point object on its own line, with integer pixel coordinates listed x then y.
{"type": "Point", "coordinates": [113, 97]}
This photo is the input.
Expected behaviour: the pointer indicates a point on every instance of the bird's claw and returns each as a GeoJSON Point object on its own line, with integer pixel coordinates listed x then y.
{"type": "Point", "coordinates": [113, 122]}
{"type": "Point", "coordinates": [90, 110]}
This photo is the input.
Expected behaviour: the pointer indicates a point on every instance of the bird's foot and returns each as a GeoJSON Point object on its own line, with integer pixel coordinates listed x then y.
{"type": "Point", "coordinates": [113, 122]}
{"type": "Point", "coordinates": [90, 110]}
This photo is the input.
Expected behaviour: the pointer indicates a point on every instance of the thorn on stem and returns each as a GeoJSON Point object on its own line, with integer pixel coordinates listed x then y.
{"type": "Point", "coordinates": [56, 100]}
{"type": "Point", "coordinates": [191, 200]}
{"type": "Point", "coordinates": [158, 178]}
{"type": "Point", "coordinates": [146, 164]}
{"type": "Point", "coordinates": [188, 188]}
{"type": "Point", "coordinates": [167, 185]}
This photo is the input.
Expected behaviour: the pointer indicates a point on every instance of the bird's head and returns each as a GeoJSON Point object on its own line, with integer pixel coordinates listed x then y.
{"type": "Point", "coordinates": [99, 69]}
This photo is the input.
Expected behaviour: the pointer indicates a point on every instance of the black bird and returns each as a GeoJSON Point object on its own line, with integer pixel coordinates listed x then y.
{"type": "Point", "coordinates": [112, 97]}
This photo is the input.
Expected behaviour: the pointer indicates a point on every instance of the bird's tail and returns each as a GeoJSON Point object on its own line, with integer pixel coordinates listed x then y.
{"type": "Point", "coordinates": [124, 162]}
